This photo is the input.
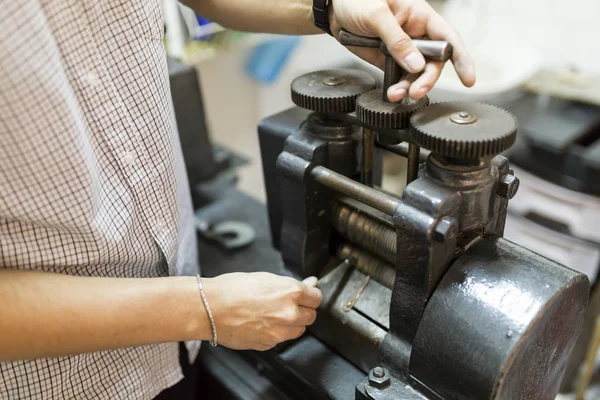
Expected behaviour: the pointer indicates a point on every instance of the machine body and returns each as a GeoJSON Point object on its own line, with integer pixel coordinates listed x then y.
{"type": "Point", "coordinates": [421, 292]}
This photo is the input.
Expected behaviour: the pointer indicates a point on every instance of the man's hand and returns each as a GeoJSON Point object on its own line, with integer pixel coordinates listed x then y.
{"type": "Point", "coordinates": [260, 310]}
{"type": "Point", "coordinates": [396, 22]}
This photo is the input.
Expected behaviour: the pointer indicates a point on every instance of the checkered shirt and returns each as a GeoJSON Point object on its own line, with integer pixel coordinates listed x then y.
{"type": "Point", "coordinates": [92, 180]}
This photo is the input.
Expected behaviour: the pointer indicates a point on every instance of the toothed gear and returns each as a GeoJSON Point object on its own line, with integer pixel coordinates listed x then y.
{"type": "Point", "coordinates": [331, 91]}
{"type": "Point", "coordinates": [373, 111]}
{"type": "Point", "coordinates": [464, 129]}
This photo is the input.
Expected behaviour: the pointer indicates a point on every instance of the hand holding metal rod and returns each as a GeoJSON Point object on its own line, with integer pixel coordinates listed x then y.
{"type": "Point", "coordinates": [431, 49]}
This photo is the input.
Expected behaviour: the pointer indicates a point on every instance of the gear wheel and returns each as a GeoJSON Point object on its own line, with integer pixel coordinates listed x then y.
{"type": "Point", "coordinates": [373, 111]}
{"type": "Point", "coordinates": [464, 129]}
{"type": "Point", "coordinates": [331, 91]}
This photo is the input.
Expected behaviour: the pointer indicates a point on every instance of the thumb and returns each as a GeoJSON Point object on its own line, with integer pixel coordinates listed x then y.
{"type": "Point", "coordinates": [398, 43]}
{"type": "Point", "coordinates": [311, 281]}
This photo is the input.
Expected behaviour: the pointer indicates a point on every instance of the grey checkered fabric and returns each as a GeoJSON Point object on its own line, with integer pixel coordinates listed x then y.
{"type": "Point", "coordinates": [92, 180]}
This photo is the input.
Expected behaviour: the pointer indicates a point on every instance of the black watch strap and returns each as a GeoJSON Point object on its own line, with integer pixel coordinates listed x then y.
{"type": "Point", "coordinates": [321, 15]}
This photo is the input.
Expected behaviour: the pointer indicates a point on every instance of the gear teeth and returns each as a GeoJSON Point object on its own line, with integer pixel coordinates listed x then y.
{"type": "Point", "coordinates": [309, 91]}
{"type": "Point", "coordinates": [327, 104]}
{"type": "Point", "coordinates": [373, 111]}
{"type": "Point", "coordinates": [444, 141]}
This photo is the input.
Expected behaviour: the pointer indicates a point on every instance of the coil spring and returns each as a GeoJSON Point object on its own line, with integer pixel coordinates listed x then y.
{"type": "Point", "coordinates": [368, 264]}
{"type": "Point", "coordinates": [365, 232]}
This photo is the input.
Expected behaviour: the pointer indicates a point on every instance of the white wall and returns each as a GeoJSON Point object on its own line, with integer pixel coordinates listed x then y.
{"type": "Point", "coordinates": [563, 33]}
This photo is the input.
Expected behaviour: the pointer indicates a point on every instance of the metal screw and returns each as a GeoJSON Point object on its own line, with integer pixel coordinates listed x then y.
{"type": "Point", "coordinates": [444, 230]}
{"type": "Point", "coordinates": [508, 186]}
{"type": "Point", "coordinates": [463, 118]}
{"type": "Point", "coordinates": [379, 378]}
{"type": "Point", "coordinates": [333, 81]}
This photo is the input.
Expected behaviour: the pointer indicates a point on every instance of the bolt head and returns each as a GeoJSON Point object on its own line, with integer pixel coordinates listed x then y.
{"type": "Point", "coordinates": [463, 118]}
{"type": "Point", "coordinates": [379, 378]}
{"type": "Point", "coordinates": [444, 230]}
{"type": "Point", "coordinates": [508, 186]}
{"type": "Point", "coordinates": [333, 81]}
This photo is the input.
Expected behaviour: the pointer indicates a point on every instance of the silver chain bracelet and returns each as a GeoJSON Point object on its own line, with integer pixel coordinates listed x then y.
{"type": "Point", "coordinates": [208, 311]}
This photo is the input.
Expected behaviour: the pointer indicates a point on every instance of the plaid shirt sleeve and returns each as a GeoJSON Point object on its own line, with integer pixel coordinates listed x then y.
{"type": "Point", "coordinates": [91, 174]}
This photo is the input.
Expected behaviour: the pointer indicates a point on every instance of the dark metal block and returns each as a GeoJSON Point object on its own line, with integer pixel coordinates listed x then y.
{"type": "Point", "coordinates": [272, 134]}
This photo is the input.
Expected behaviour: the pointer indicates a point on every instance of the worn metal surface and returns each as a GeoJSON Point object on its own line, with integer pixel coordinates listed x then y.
{"type": "Point", "coordinates": [332, 91]}
{"type": "Point", "coordinates": [495, 329]}
{"type": "Point", "coordinates": [493, 131]}
{"type": "Point", "coordinates": [341, 184]}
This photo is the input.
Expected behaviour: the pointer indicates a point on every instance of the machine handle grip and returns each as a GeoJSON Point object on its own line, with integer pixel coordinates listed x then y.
{"type": "Point", "coordinates": [435, 50]}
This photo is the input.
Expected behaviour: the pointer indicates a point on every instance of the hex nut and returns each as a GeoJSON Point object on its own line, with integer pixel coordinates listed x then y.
{"type": "Point", "coordinates": [379, 382]}
{"type": "Point", "coordinates": [508, 186]}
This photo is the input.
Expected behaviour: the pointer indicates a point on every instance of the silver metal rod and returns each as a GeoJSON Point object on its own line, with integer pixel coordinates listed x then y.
{"type": "Point", "coordinates": [367, 157]}
{"type": "Point", "coordinates": [413, 162]}
{"type": "Point", "coordinates": [401, 150]}
{"type": "Point", "coordinates": [392, 75]}
{"type": "Point", "coordinates": [341, 184]}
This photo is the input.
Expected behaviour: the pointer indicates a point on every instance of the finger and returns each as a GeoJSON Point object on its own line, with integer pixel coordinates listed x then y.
{"type": "Point", "coordinates": [400, 90]}
{"type": "Point", "coordinates": [310, 281]}
{"type": "Point", "coordinates": [306, 316]}
{"type": "Point", "coordinates": [425, 82]}
{"type": "Point", "coordinates": [439, 29]}
{"type": "Point", "coordinates": [294, 332]}
{"type": "Point", "coordinates": [372, 56]}
{"type": "Point", "coordinates": [398, 43]}
{"type": "Point", "coordinates": [311, 297]}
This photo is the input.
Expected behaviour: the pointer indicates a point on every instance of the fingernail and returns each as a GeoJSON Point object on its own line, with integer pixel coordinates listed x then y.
{"type": "Point", "coordinates": [397, 92]}
{"type": "Point", "coordinates": [310, 281]}
{"type": "Point", "coordinates": [420, 92]}
{"type": "Point", "coordinates": [414, 62]}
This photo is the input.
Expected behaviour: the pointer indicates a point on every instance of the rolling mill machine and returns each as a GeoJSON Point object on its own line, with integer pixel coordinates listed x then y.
{"type": "Point", "coordinates": [421, 292]}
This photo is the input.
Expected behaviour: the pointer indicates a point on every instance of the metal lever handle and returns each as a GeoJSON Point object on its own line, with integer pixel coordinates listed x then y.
{"type": "Point", "coordinates": [434, 50]}
{"type": "Point", "coordinates": [431, 49]}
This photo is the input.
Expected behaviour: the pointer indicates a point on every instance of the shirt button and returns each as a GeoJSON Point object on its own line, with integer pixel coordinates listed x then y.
{"type": "Point", "coordinates": [129, 158]}
{"type": "Point", "coordinates": [93, 78]}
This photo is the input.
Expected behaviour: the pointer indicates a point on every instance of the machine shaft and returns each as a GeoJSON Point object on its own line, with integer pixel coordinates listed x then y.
{"type": "Point", "coordinates": [413, 162]}
{"type": "Point", "coordinates": [367, 156]}
{"type": "Point", "coordinates": [369, 196]}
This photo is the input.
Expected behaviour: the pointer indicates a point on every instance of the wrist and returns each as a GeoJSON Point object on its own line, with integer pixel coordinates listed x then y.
{"type": "Point", "coordinates": [334, 26]}
{"type": "Point", "coordinates": [195, 324]}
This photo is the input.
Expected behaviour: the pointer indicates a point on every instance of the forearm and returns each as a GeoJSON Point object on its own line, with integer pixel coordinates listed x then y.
{"type": "Point", "coordinates": [48, 315]}
{"type": "Point", "coordinates": [294, 17]}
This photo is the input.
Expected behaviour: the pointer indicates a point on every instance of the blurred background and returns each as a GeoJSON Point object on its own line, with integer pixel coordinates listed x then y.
{"type": "Point", "coordinates": [539, 59]}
